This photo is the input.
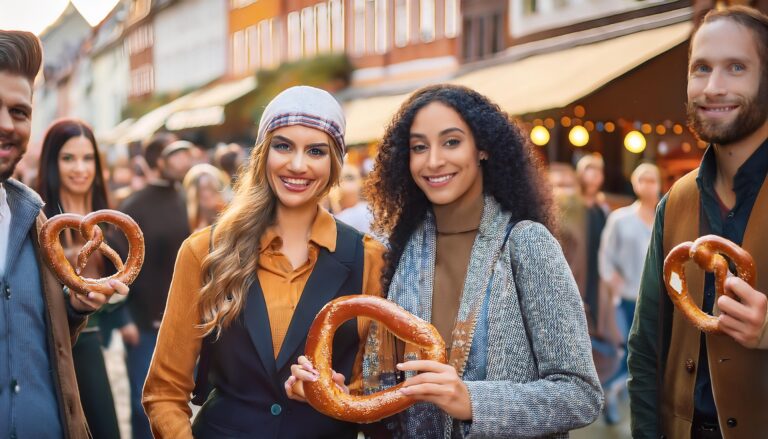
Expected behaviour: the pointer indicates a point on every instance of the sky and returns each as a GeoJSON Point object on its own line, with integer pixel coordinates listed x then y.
{"type": "Point", "coordinates": [36, 15]}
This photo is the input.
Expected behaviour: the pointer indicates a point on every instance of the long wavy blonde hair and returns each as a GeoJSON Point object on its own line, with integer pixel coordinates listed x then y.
{"type": "Point", "coordinates": [230, 269]}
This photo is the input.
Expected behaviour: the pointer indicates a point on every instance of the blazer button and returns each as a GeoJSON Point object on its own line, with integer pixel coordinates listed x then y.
{"type": "Point", "coordinates": [275, 409]}
{"type": "Point", "coordinates": [690, 366]}
{"type": "Point", "coordinates": [731, 422]}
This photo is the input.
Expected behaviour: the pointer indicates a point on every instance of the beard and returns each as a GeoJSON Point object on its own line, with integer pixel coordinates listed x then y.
{"type": "Point", "coordinates": [8, 173]}
{"type": "Point", "coordinates": [753, 113]}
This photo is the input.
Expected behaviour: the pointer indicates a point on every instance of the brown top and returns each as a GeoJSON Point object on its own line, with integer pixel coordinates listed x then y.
{"type": "Point", "coordinates": [457, 225]}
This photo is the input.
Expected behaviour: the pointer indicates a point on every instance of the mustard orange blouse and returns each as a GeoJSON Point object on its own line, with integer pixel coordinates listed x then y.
{"type": "Point", "coordinates": [171, 374]}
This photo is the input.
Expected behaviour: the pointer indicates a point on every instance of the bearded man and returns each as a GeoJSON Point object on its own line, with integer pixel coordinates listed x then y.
{"type": "Point", "coordinates": [684, 383]}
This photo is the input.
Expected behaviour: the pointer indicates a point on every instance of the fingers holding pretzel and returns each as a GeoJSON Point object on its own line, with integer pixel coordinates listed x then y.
{"type": "Point", "coordinates": [303, 371]}
{"type": "Point", "coordinates": [745, 317]}
{"type": "Point", "coordinates": [90, 294]}
{"type": "Point", "coordinates": [324, 389]}
{"type": "Point", "coordinates": [710, 253]}
{"type": "Point", "coordinates": [93, 301]}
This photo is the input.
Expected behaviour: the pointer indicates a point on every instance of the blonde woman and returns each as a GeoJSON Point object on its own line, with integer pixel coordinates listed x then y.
{"type": "Point", "coordinates": [244, 294]}
{"type": "Point", "coordinates": [208, 191]}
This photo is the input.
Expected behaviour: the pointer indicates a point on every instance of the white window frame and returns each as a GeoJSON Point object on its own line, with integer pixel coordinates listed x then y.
{"type": "Point", "coordinates": [323, 24]}
{"type": "Point", "coordinates": [427, 20]}
{"type": "Point", "coordinates": [253, 44]}
{"type": "Point", "coordinates": [308, 32]}
{"type": "Point", "coordinates": [358, 11]}
{"type": "Point", "coordinates": [294, 35]}
{"type": "Point", "coordinates": [337, 25]}
{"type": "Point", "coordinates": [239, 52]}
{"type": "Point", "coordinates": [452, 18]}
{"type": "Point", "coordinates": [381, 26]}
{"type": "Point", "coordinates": [402, 17]}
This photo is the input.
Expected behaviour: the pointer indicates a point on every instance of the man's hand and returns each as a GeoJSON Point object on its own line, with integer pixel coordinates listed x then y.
{"type": "Point", "coordinates": [744, 320]}
{"type": "Point", "coordinates": [94, 301]}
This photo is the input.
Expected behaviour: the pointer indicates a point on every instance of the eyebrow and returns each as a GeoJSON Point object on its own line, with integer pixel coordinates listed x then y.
{"type": "Point", "coordinates": [729, 60]}
{"type": "Point", "coordinates": [442, 133]}
{"type": "Point", "coordinates": [287, 140]}
{"type": "Point", "coordinates": [25, 107]}
{"type": "Point", "coordinates": [282, 139]}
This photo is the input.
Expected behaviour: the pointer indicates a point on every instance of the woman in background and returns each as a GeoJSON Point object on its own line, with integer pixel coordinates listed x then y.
{"type": "Point", "coordinates": [208, 192]}
{"type": "Point", "coordinates": [71, 181]}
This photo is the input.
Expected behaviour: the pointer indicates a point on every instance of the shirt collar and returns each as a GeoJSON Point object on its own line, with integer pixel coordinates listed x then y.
{"type": "Point", "coordinates": [322, 233]}
{"type": "Point", "coordinates": [3, 197]}
{"type": "Point", "coordinates": [749, 176]}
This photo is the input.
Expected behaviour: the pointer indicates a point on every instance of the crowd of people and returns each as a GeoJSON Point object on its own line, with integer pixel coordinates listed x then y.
{"type": "Point", "coordinates": [549, 297]}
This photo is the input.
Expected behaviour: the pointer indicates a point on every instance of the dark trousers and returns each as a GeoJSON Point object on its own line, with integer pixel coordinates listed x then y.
{"type": "Point", "coordinates": [93, 382]}
{"type": "Point", "coordinates": [137, 363]}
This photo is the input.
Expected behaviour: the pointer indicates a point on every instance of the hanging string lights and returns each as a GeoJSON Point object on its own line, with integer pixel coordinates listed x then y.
{"type": "Point", "coordinates": [635, 137]}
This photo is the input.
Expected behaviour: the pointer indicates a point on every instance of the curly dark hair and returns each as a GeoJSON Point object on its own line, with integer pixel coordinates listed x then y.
{"type": "Point", "coordinates": [511, 174]}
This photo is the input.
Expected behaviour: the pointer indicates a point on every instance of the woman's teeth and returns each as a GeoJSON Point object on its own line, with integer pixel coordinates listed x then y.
{"type": "Point", "coordinates": [441, 179]}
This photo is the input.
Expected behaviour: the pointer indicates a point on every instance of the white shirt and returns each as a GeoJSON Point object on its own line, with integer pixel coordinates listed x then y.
{"type": "Point", "coordinates": [623, 247]}
{"type": "Point", "coordinates": [5, 228]}
{"type": "Point", "coordinates": [358, 216]}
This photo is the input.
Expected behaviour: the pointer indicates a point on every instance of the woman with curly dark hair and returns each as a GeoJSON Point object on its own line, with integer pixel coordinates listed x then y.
{"type": "Point", "coordinates": [460, 195]}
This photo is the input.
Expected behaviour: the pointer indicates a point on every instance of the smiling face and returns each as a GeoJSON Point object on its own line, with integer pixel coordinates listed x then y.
{"type": "Point", "coordinates": [444, 161]}
{"type": "Point", "coordinates": [298, 165]}
{"type": "Point", "coordinates": [77, 166]}
{"type": "Point", "coordinates": [15, 121]}
{"type": "Point", "coordinates": [726, 89]}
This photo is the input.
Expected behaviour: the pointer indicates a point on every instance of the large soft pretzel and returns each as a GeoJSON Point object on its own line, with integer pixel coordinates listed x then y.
{"type": "Point", "coordinates": [323, 394]}
{"type": "Point", "coordinates": [707, 252]}
{"type": "Point", "coordinates": [53, 252]}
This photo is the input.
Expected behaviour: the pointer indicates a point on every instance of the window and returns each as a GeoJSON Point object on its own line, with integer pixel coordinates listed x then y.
{"type": "Point", "coordinates": [294, 36]}
{"type": "Point", "coordinates": [381, 28]}
{"type": "Point", "coordinates": [427, 20]}
{"type": "Point", "coordinates": [370, 25]}
{"type": "Point", "coordinates": [139, 40]}
{"type": "Point", "coordinates": [451, 18]}
{"type": "Point", "coordinates": [254, 48]}
{"type": "Point", "coordinates": [359, 23]}
{"type": "Point", "coordinates": [308, 32]}
{"type": "Point", "coordinates": [142, 80]}
{"type": "Point", "coordinates": [265, 41]}
{"type": "Point", "coordinates": [402, 22]}
{"type": "Point", "coordinates": [337, 25]}
{"type": "Point", "coordinates": [239, 52]}
{"type": "Point", "coordinates": [323, 28]}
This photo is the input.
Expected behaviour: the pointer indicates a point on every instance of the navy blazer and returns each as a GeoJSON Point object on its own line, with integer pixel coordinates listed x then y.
{"type": "Point", "coordinates": [247, 397]}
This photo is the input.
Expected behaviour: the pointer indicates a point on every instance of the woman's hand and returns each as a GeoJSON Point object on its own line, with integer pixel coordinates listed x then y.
{"type": "Point", "coordinates": [304, 371]}
{"type": "Point", "coordinates": [439, 384]}
{"type": "Point", "coordinates": [85, 303]}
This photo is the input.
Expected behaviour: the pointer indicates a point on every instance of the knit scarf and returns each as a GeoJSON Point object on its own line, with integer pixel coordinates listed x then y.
{"type": "Point", "coordinates": [411, 287]}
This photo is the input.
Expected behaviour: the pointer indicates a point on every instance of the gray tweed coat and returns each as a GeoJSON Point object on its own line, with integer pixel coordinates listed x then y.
{"type": "Point", "coordinates": [521, 346]}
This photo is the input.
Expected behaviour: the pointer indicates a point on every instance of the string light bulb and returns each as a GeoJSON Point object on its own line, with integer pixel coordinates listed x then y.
{"type": "Point", "coordinates": [539, 135]}
{"type": "Point", "coordinates": [579, 136]}
{"type": "Point", "coordinates": [635, 142]}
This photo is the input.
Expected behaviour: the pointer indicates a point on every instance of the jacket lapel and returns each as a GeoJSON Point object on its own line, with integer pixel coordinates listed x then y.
{"type": "Point", "coordinates": [257, 324]}
{"type": "Point", "coordinates": [322, 286]}
{"type": "Point", "coordinates": [24, 210]}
